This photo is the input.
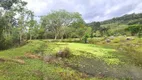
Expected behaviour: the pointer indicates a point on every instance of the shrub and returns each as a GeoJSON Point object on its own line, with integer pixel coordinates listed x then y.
{"type": "Point", "coordinates": [91, 41]}
{"type": "Point", "coordinates": [133, 51]}
{"type": "Point", "coordinates": [95, 40]}
{"type": "Point", "coordinates": [65, 53]}
{"type": "Point", "coordinates": [117, 40]}
{"type": "Point", "coordinates": [6, 43]}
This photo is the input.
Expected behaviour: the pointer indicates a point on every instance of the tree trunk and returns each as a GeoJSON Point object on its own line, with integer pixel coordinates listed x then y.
{"type": "Point", "coordinates": [55, 37]}
{"type": "Point", "coordinates": [30, 37]}
{"type": "Point", "coordinates": [101, 33]}
{"type": "Point", "coordinates": [62, 37]}
{"type": "Point", "coordinates": [20, 39]}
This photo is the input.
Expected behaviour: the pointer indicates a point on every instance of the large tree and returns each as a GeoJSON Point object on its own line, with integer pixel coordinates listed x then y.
{"type": "Point", "coordinates": [10, 9]}
{"type": "Point", "coordinates": [31, 23]}
{"type": "Point", "coordinates": [56, 21]}
{"type": "Point", "coordinates": [135, 29]}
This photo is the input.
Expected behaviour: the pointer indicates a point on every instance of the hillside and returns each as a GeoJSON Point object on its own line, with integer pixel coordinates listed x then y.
{"type": "Point", "coordinates": [117, 25]}
{"type": "Point", "coordinates": [37, 61]}
{"type": "Point", "coordinates": [125, 19]}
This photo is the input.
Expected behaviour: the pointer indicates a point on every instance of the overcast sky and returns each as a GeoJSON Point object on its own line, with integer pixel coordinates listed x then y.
{"type": "Point", "coordinates": [91, 10]}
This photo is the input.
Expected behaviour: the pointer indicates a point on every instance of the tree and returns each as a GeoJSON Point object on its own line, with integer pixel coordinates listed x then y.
{"type": "Point", "coordinates": [95, 26]}
{"type": "Point", "coordinates": [8, 21]}
{"type": "Point", "coordinates": [21, 27]}
{"type": "Point", "coordinates": [135, 29]}
{"type": "Point", "coordinates": [56, 21]}
{"type": "Point", "coordinates": [87, 34]}
{"type": "Point", "coordinates": [104, 30]}
{"type": "Point", "coordinates": [31, 23]}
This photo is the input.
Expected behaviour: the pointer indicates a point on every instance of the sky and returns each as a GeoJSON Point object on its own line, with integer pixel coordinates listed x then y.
{"type": "Point", "coordinates": [91, 10]}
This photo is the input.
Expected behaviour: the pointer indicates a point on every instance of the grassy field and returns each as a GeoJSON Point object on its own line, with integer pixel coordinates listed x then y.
{"type": "Point", "coordinates": [87, 62]}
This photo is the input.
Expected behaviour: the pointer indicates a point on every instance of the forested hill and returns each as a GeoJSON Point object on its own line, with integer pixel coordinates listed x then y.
{"type": "Point", "coordinates": [118, 25]}
{"type": "Point", "coordinates": [125, 19]}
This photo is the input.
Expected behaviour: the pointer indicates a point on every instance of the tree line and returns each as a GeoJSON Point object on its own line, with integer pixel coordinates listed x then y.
{"type": "Point", "coordinates": [17, 24]}
{"type": "Point", "coordinates": [129, 24]}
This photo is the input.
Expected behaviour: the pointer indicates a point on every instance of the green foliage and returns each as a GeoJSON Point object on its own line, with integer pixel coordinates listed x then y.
{"type": "Point", "coordinates": [32, 47]}
{"type": "Point", "coordinates": [136, 21]}
{"type": "Point", "coordinates": [7, 5]}
{"type": "Point", "coordinates": [116, 26]}
{"type": "Point", "coordinates": [93, 59]}
{"type": "Point", "coordinates": [117, 40]}
{"type": "Point", "coordinates": [95, 26]}
{"type": "Point", "coordinates": [33, 69]}
{"type": "Point", "coordinates": [133, 49]}
{"type": "Point", "coordinates": [97, 34]}
{"type": "Point", "coordinates": [86, 36]}
{"type": "Point", "coordinates": [57, 21]}
{"type": "Point", "coordinates": [87, 60]}
{"type": "Point", "coordinates": [65, 53]}
{"type": "Point", "coordinates": [135, 29]}
{"type": "Point", "coordinates": [95, 40]}
{"type": "Point", "coordinates": [13, 29]}
{"type": "Point", "coordinates": [124, 19]}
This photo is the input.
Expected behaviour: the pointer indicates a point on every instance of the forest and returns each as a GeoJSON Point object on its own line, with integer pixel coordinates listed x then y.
{"type": "Point", "coordinates": [62, 46]}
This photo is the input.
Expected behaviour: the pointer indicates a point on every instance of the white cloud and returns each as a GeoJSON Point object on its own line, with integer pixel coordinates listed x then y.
{"type": "Point", "coordinates": [91, 10]}
{"type": "Point", "coordinates": [138, 9]}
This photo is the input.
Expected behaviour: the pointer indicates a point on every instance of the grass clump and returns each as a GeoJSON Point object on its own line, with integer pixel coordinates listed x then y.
{"type": "Point", "coordinates": [95, 40]}
{"type": "Point", "coordinates": [65, 53]}
{"type": "Point", "coordinates": [133, 51]}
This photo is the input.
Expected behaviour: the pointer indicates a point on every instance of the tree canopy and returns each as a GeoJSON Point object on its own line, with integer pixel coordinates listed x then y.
{"type": "Point", "coordinates": [57, 21]}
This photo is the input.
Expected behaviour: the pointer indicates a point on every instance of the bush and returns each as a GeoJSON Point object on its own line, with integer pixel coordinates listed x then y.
{"type": "Point", "coordinates": [6, 43]}
{"type": "Point", "coordinates": [92, 41]}
{"type": "Point", "coordinates": [117, 40]}
{"type": "Point", "coordinates": [133, 51]}
{"type": "Point", "coordinates": [95, 40]}
{"type": "Point", "coordinates": [2, 44]}
{"type": "Point", "coordinates": [65, 53]}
